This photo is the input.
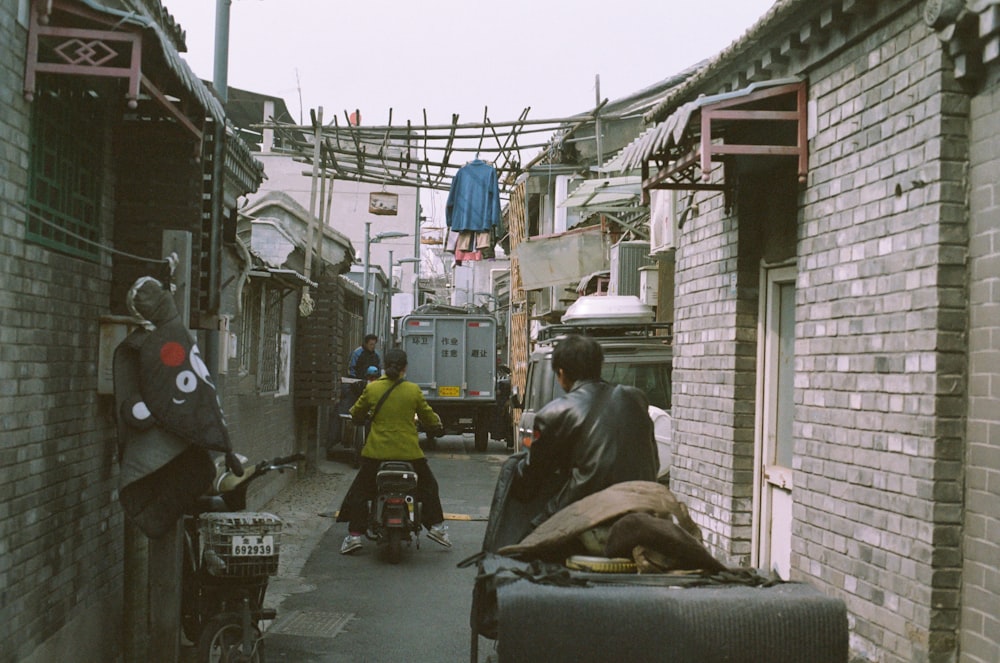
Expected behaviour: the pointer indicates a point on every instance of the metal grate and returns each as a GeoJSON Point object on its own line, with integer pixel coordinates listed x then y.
{"type": "Point", "coordinates": [242, 544]}
{"type": "Point", "coordinates": [250, 337]}
{"type": "Point", "coordinates": [270, 342]}
{"type": "Point", "coordinates": [65, 183]}
{"type": "Point", "coordinates": [311, 624]}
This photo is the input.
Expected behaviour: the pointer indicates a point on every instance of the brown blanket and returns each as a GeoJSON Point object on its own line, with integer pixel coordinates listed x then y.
{"type": "Point", "coordinates": [560, 533]}
{"type": "Point", "coordinates": [658, 545]}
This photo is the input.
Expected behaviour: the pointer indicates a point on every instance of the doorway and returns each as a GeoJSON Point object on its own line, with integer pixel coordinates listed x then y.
{"type": "Point", "coordinates": [774, 441]}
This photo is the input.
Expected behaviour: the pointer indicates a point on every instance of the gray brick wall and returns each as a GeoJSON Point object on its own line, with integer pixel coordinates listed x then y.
{"type": "Point", "coordinates": [60, 525]}
{"type": "Point", "coordinates": [879, 350]}
{"type": "Point", "coordinates": [712, 465]}
{"type": "Point", "coordinates": [981, 536]}
{"type": "Point", "coordinates": [881, 369]}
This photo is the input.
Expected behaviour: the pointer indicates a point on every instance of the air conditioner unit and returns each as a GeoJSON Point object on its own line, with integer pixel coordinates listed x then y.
{"type": "Point", "coordinates": [662, 219]}
{"type": "Point", "coordinates": [626, 260]}
{"type": "Point", "coordinates": [649, 282]}
{"type": "Point", "coordinates": [543, 301]}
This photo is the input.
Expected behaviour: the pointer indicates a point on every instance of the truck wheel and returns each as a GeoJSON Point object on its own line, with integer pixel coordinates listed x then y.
{"type": "Point", "coordinates": [482, 432]}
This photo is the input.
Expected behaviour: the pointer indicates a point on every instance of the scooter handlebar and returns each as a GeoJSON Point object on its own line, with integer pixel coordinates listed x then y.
{"type": "Point", "coordinates": [228, 481]}
{"type": "Point", "coordinates": [287, 460]}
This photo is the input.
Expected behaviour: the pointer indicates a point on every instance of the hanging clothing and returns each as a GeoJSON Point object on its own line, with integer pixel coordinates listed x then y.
{"type": "Point", "coordinates": [474, 198]}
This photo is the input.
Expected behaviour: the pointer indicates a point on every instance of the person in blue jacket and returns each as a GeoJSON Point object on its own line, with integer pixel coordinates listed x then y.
{"type": "Point", "coordinates": [364, 356]}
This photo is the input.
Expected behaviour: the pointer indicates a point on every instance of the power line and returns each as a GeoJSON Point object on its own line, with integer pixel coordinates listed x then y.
{"type": "Point", "coordinates": [86, 240]}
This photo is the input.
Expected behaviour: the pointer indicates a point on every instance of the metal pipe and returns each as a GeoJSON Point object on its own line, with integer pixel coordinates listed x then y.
{"type": "Point", "coordinates": [416, 252]}
{"type": "Point", "coordinates": [220, 73]}
{"type": "Point", "coordinates": [388, 317]}
{"type": "Point", "coordinates": [364, 278]}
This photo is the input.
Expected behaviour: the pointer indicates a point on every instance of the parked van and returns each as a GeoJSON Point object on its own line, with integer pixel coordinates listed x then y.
{"type": "Point", "coordinates": [637, 352]}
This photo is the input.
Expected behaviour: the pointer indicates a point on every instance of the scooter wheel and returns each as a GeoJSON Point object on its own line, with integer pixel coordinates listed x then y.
{"type": "Point", "coordinates": [394, 551]}
{"type": "Point", "coordinates": [221, 639]}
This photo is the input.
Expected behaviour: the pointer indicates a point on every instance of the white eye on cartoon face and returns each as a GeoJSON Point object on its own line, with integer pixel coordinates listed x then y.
{"type": "Point", "coordinates": [199, 366]}
{"type": "Point", "coordinates": [186, 382]}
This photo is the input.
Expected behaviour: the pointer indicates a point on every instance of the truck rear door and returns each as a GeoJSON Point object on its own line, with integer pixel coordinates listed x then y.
{"type": "Point", "coordinates": [452, 357]}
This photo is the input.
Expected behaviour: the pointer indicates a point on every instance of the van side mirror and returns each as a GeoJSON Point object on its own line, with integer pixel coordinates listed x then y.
{"type": "Point", "coordinates": [515, 399]}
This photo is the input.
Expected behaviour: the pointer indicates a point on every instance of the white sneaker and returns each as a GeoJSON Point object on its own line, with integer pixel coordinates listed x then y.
{"type": "Point", "coordinates": [439, 534]}
{"type": "Point", "coordinates": [350, 544]}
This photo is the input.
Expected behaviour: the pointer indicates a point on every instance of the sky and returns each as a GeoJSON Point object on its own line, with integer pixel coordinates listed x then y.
{"type": "Point", "coordinates": [458, 56]}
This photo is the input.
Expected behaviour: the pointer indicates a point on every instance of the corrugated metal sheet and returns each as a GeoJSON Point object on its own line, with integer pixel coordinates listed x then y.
{"type": "Point", "coordinates": [604, 191]}
{"type": "Point", "coordinates": [671, 131]}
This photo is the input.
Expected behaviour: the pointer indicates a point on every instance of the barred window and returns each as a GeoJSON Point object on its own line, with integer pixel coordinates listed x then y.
{"type": "Point", "coordinates": [260, 349]}
{"type": "Point", "coordinates": [66, 164]}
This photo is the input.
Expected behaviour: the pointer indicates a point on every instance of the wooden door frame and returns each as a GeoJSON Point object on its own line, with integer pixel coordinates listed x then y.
{"type": "Point", "coordinates": [770, 277]}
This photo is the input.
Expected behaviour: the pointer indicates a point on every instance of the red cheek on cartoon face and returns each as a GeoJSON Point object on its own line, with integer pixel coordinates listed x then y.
{"type": "Point", "coordinates": [172, 354]}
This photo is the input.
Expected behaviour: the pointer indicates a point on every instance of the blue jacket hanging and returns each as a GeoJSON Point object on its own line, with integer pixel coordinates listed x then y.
{"type": "Point", "coordinates": [474, 198]}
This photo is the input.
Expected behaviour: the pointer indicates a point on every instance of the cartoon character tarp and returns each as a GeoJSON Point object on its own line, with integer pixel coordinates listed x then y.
{"type": "Point", "coordinates": [168, 414]}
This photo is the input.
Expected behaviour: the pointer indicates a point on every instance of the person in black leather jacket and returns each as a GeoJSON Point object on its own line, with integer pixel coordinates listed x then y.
{"type": "Point", "coordinates": [596, 435]}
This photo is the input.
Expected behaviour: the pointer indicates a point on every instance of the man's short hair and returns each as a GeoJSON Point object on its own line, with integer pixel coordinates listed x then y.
{"type": "Point", "coordinates": [371, 337]}
{"type": "Point", "coordinates": [580, 357]}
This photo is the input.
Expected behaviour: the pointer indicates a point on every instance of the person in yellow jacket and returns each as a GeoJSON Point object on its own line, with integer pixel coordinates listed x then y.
{"type": "Point", "coordinates": [393, 436]}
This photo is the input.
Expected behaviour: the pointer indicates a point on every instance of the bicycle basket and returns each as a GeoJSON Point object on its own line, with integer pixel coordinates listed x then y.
{"type": "Point", "coordinates": [241, 544]}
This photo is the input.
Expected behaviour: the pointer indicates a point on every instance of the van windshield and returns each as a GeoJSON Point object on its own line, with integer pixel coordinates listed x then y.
{"type": "Point", "coordinates": [651, 378]}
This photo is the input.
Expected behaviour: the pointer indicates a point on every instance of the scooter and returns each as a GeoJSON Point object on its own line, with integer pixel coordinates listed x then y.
{"type": "Point", "coordinates": [229, 555]}
{"type": "Point", "coordinates": [394, 514]}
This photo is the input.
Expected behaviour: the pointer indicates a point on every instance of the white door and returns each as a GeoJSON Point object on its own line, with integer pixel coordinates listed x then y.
{"type": "Point", "coordinates": [775, 414]}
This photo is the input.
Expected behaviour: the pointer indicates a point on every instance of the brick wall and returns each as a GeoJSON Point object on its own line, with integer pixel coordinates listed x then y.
{"type": "Point", "coordinates": [713, 443]}
{"type": "Point", "coordinates": [981, 540]}
{"type": "Point", "coordinates": [60, 525]}
{"type": "Point", "coordinates": [880, 344]}
{"type": "Point", "coordinates": [881, 372]}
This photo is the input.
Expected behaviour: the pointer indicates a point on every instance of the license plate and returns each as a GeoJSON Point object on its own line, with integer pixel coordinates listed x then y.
{"type": "Point", "coordinates": [252, 546]}
{"type": "Point", "coordinates": [449, 391]}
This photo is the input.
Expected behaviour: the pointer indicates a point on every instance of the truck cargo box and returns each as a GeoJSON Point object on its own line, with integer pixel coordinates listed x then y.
{"type": "Point", "coordinates": [452, 357]}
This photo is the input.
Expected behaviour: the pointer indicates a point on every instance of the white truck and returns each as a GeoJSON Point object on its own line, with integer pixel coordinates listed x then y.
{"type": "Point", "coordinates": [452, 357]}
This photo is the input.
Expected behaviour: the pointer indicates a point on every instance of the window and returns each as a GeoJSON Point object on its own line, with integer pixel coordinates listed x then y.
{"type": "Point", "coordinates": [65, 173]}
{"type": "Point", "coordinates": [263, 351]}
{"type": "Point", "coordinates": [652, 378]}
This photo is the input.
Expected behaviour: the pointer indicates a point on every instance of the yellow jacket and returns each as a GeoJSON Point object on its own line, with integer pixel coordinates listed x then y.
{"type": "Point", "coordinates": [394, 432]}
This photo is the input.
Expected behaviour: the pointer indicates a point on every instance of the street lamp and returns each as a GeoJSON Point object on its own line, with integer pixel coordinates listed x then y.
{"type": "Point", "coordinates": [392, 289]}
{"type": "Point", "coordinates": [416, 276]}
{"type": "Point", "coordinates": [369, 240]}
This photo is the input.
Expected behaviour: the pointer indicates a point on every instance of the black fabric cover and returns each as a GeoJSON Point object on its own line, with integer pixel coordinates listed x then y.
{"type": "Point", "coordinates": [785, 623]}
{"type": "Point", "coordinates": [167, 414]}
{"type": "Point", "coordinates": [155, 502]}
{"type": "Point", "coordinates": [510, 519]}
{"type": "Point", "coordinates": [177, 389]}
{"type": "Point", "coordinates": [509, 522]}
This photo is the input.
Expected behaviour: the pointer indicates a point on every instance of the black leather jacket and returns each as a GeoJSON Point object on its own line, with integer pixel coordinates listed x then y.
{"type": "Point", "coordinates": [596, 435]}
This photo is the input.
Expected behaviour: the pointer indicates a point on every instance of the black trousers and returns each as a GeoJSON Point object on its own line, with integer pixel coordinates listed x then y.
{"type": "Point", "coordinates": [354, 510]}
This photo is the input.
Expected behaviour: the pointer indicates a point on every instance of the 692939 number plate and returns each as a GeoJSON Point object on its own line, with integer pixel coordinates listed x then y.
{"type": "Point", "coordinates": [252, 546]}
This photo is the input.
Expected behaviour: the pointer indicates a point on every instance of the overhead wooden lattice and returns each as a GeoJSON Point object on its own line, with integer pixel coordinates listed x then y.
{"type": "Point", "coordinates": [426, 155]}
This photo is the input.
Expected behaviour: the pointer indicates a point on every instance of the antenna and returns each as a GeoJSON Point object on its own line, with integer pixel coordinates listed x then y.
{"type": "Point", "coordinates": [298, 86]}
